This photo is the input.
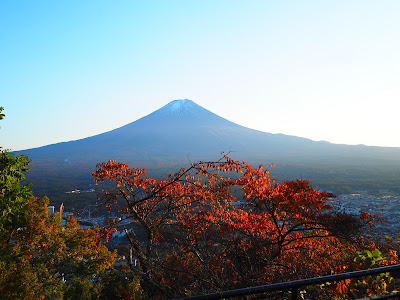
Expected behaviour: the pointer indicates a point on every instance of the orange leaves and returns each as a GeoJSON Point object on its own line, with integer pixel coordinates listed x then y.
{"type": "Point", "coordinates": [224, 224]}
{"type": "Point", "coordinates": [199, 184]}
{"type": "Point", "coordinates": [342, 286]}
{"type": "Point", "coordinates": [44, 249]}
{"type": "Point", "coordinates": [370, 219]}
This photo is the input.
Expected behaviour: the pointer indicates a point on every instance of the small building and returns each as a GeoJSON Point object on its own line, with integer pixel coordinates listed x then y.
{"type": "Point", "coordinates": [51, 210]}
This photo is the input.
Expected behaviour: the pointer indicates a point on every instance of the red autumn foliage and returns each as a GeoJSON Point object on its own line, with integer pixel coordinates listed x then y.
{"type": "Point", "coordinates": [197, 239]}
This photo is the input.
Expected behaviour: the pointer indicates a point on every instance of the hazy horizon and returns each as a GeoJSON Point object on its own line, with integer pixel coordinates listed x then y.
{"type": "Point", "coordinates": [171, 114]}
{"type": "Point", "coordinates": [323, 71]}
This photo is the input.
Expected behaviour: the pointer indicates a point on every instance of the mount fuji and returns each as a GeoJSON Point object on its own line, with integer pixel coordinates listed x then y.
{"type": "Point", "coordinates": [183, 130]}
{"type": "Point", "coordinates": [177, 130]}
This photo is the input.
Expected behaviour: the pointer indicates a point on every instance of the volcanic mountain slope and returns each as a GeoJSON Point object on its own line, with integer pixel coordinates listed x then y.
{"type": "Point", "coordinates": [183, 129]}
{"type": "Point", "coordinates": [174, 131]}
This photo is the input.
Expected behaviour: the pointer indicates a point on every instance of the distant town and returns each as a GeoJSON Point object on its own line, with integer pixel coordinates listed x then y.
{"type": "Point", "coordinates": [385, 204]}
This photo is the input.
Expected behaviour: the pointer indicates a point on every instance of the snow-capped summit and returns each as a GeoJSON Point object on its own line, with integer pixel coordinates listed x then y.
{"type": "Point", "coordinates": [177, 105]}
{"type": "Point", "coordinates": [182, 108]}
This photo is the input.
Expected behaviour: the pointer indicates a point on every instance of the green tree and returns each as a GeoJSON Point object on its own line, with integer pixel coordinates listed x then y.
{"type": "Point", "coordinates": [14, 196]}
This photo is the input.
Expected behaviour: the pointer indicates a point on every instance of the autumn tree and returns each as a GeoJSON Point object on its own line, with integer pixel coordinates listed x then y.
{"type": "Point", "coordinates": [38, 256]}
{"type": "Point", "coordinates": [43, 258]}
{"type": "Point", "coordinates": [198, 239]}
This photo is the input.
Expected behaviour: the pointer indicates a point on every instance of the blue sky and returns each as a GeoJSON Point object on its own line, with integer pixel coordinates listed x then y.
{"type": "Point", "coordinates": [325, 70]}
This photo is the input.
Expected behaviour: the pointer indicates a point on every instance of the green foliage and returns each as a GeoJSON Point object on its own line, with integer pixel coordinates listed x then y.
{"type": "Point", "coordinates": [368, 259]}
{"type": "Point", "coordinates": [110, 285]}
{"type": "Point", "coordinates": [121, 284]}
{"type": "Point", "coordinates": [80, 289]}
{"type": "Point", "coordinates": [13, 195]}
{"type": "Point", "coordinates": [371, 285]}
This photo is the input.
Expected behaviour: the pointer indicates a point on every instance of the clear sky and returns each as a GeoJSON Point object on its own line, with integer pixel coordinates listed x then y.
{"type": "Point", "coordinates": [325, 70]}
